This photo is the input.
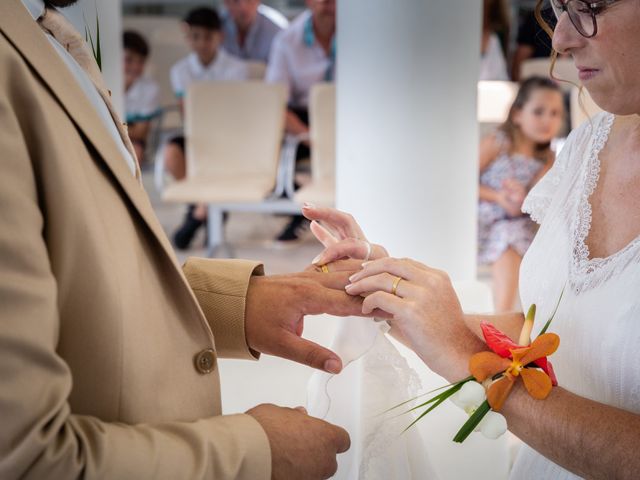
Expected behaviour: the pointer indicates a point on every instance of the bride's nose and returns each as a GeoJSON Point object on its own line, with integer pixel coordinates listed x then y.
{"type": "Point", "coordinates": [565, 36]}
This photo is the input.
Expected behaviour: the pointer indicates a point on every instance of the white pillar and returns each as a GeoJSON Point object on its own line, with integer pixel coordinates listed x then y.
{"type": "Point", "coordinates": [110, 17]}
{"type": "Point", "coordinates": [407, 131]}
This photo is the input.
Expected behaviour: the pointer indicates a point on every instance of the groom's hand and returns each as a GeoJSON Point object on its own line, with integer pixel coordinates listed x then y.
{"type": "Point", "coordinates": [275, 310]}
{"type": "Point", "coordinates": [302, 447]}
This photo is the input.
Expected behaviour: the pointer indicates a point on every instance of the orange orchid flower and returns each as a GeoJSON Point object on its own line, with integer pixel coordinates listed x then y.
{"type": "Point", "coordinates": [485, 365]}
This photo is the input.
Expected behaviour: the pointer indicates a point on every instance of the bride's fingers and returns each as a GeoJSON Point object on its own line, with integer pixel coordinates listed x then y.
{"type": "Point", "coordinates": [394, 266]}
{"type": "Point", "coordinates": [383, 301]}
{"type": "Point", "coordinates": [348, 248]}
{"type": "Point", "coordinates": [383, 282]}
{"type": "Point", "coordinates": [339, 221]}
{"type": "Point", "coordinates": [324, 236]}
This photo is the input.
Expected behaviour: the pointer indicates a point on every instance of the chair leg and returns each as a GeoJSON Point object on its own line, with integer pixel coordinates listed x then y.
{"type": "Point", "coordinates": [215, 226]}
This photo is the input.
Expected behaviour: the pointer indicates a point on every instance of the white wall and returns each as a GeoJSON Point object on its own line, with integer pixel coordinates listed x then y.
{"type": "Point", "coordinates": [407, 133]}
{"type": "Point", "coordinates": [110, 18]}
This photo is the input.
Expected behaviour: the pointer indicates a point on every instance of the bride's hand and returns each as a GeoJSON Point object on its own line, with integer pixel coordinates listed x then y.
{"type": "Point", "coordinates": [341, 236]}
{"type": "Point", "coordinates": [426, 313]}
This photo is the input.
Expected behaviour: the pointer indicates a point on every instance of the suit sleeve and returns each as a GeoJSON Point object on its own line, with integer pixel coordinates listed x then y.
{"type": "Point", "coordinates": [221, 289]}
{"type": "Point", "coordinates": [40, 437]}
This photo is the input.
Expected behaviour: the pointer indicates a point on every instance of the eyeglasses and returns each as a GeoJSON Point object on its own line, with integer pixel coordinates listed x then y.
{"type": "Point", "coordinates": [582, 13]}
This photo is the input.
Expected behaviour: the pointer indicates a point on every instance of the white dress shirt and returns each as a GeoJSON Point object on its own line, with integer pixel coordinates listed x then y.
{"type": "Point", "coordinates": [299, 61]}
{"type": "Point", "coordinates": [36, 8]}
{"type": "Point", "coordinates": [142, 100]}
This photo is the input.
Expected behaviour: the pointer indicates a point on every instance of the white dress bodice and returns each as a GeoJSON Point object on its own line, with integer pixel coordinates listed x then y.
{"type": "Point", "coordinates": [598, 318]}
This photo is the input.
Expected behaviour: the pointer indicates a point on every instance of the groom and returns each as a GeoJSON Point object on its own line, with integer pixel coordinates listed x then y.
{"type": "Point", "coordinates": [108, 350]}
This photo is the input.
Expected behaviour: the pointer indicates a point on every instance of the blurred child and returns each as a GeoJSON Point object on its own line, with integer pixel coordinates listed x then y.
{"type": "Point", "coordinates": [142, 94]}
{"type": "Point", "coordinates": [512, 160]}
{"type": "Point", "coordinates": [206, 62]}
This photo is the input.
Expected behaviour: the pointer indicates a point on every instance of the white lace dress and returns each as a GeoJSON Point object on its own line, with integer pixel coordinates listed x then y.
{"type": "Point", "coordinates": [599, 317]}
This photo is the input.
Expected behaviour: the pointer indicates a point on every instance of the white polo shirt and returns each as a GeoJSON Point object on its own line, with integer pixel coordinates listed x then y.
{"type": "Point", "coordinates": [225, 67]}
{"type": "Point", "coordinates": [142, 100]}
{"type": "Point", "coordinates": [299, 61]}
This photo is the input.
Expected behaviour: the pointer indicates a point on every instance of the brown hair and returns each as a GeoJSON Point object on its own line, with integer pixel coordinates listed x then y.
{"type": "Point", "coordinates": [510, 129]}
{"type": "Point", "coordinates": [496, 18]}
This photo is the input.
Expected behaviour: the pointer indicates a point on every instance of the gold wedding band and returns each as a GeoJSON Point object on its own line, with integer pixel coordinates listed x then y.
{"type": "Point", "coordinates": [394, 287]}
{"type": "Point", "coordinates": [324, 268]}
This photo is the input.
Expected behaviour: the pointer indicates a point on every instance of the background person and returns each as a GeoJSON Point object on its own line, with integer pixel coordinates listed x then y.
{"type": "Point", "coordinates": [303, 55]}
{"type": "Point", "coordinates": [207, 62]}
{"type": "Point", "coordinates": [512, 160]}
{"type": "Point", "coordinates": [142, 94]}
{"type": "Point", "coordinates": [249, 28]}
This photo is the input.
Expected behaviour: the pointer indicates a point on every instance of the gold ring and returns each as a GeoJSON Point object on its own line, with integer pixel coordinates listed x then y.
{"type": "Point", "coordinates": [394, 287]}
{"type": "Point", "coordinates": [324, 268]}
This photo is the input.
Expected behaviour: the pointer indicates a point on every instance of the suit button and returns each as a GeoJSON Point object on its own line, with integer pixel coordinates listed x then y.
{"type": "Point", "coordinates": [205, 361]}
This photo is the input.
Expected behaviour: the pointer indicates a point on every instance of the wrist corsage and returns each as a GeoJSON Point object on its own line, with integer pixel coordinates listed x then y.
{"type": "Point", "coordinates": [493, 375]}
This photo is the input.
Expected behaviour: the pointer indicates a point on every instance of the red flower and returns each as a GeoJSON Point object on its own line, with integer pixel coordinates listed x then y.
{"type": "Point", "coordinates": [502, 345]}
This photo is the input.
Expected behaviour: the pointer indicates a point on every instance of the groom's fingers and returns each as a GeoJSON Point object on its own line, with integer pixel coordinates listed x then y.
{"type": "Point", "coordinates": [332, 301]}
{"type": "Point", "coordinates": [342, 440]}
{"type": "Point", "coordinates": [308, 353]}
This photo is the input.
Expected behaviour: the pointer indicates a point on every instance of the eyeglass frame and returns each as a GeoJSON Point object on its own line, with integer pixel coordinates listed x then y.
{"type": "Point", "coordinates": [592, 6]}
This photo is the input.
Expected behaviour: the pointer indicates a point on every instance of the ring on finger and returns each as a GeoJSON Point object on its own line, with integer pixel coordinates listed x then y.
{"type": "Point", "coordinates": [394, 286]}
{"type": "Point", "coordinates": [324, 269]}
{"type": "Point", "coordinates": [369, 249]}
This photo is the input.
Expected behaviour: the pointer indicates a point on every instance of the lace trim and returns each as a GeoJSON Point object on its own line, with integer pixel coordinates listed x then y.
{"type": "Point", "coordinates": [538, 202]}
{"type": "Point", "coordinates": [590, 272]}
{"type": "Point", "coordinates": [536, 206]}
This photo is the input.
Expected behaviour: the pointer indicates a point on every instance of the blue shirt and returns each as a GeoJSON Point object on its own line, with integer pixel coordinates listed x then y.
{"type": "Point", "coordinates": [257, 44]}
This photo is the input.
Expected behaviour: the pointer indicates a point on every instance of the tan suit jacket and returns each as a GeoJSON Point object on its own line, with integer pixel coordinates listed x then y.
{"type": "Point", "coordinates": [107, 358]}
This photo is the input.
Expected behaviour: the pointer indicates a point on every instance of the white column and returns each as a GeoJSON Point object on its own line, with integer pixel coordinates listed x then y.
{"type": "Point", "coordinates": [407, 135]}
{"type": "Point", "coordinates": [110, 17]}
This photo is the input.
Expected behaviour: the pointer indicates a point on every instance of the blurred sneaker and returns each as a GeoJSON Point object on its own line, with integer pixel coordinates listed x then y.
{"type": "Point", "coordinates": [183, 237]}
{"type": "Point", "coordinates": [292, 232]}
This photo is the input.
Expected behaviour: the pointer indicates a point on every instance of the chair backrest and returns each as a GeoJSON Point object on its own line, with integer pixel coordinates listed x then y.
{"type": "Point", "coordinates": [494, 100]}
{"type": "Point", "coordinates": [234, 128]}
{"type": "Point", "coordinates": [564, 69]}
{"type": "Point", "coordinates": [322, 130]}
{"type": "Point", "coordinates": [256, 70]}
{"type": "Point", "coordinates": [168, 45]}
{"type": "Point", "coordinates": [582, 106]}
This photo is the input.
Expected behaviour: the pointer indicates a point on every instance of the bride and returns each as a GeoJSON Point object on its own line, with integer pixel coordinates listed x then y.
{"type": "Point", "coordinates": [588, 246]}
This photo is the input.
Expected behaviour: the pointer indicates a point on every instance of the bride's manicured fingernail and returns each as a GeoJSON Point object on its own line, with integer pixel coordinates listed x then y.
{"type": "Point", "coordinates": [353, 277]}
{"type": "Point", "coordinates": [308, 205]}
{"type": "Point", "coordinates": [364, 264]}
{"type": "Point", "coordinates": [316, 260]}
{"type": "Point", "coordinates": [348, 287]}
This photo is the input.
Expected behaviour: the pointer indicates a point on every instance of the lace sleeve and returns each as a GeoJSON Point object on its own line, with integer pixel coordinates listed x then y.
{"type": "Point", "coordinates": [540, 196]}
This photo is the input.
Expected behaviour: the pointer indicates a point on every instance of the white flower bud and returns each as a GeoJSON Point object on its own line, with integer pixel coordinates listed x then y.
{"type": "Point", "coordinates": [493, 425]}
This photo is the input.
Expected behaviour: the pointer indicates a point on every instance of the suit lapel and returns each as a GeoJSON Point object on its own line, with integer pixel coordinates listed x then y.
{"type": "Point", "coordinates": [28, 39]}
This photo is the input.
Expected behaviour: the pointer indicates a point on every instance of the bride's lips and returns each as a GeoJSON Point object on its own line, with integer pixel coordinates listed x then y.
{"type": "Point", "coordinates": [587, 73]}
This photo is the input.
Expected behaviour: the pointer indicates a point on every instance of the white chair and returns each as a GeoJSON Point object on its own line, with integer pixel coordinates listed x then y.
{"type": "Point", "coordinates": [233, 134]}
{"type": "Point", "coordinates": [322, 133]}
{"type": "Point", "coordinates": [563, 69]}
{"type": "Point", "coordinates": [582, 106]}
{"type": "Point", "coordinates": [494, 102]}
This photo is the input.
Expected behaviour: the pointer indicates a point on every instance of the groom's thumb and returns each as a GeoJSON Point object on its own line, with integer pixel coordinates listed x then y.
{"type": "Point", "coordinates": [311, 354]}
